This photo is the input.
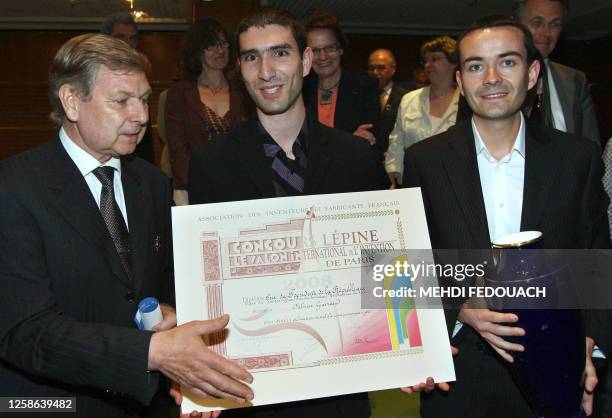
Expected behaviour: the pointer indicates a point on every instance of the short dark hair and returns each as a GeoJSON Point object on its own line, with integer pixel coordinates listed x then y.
{"type": "Point", "coordinates": [499, 22]}
{"type": "Point", "coordinates": [78, 61]}
{"type": "Point", "coordinates": [444, 44]}
{"type": "Point", "coordinates": [519, 7]}
{"type": "Point", "coordinates": [202, 34]}
{"type": "Point", "coordinates": [272, 16]}
{"type": "Point", "coordinates": [318, 19]}
{"type": "Point", "coordinates": [116, 18]}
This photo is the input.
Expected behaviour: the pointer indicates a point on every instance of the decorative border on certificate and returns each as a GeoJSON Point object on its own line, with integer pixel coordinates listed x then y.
{"type": "Point", "coordinates": [211, 259]}
{"type": "Point", "coordinates": [267, 361]}
{"type": "Point", "coordinates": [370, 356]}
{"type": "Point", "coordinates": [355, 215]}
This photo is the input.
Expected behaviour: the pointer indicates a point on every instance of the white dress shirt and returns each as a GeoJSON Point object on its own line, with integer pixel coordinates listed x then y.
{"type": "Point", "coordinates": [555, 103]}
{"type": "Point", "coordinates": [413, 124]}
{"type": "Point", "coordinates": [86, 164]}
{"type": "Point", "coordinates": [502, 187]}
{"type": "Point", "coordinates": [502, 184]}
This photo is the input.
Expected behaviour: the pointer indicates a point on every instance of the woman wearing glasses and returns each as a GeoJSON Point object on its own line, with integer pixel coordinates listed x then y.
{"type": "Point", "coordinates": [336, 97]}
{"type": "Point", "coordinates": [208, 102]}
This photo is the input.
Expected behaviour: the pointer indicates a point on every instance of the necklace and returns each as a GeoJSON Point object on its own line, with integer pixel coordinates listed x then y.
{"type": "Point", "coordinates": [326, 94]}
{"type": "Point", "coordinates": [213, 90]}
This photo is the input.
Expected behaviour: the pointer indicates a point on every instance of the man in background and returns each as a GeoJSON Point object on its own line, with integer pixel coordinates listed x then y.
{"type": "Point", "coordinates": [564, 97]}
{"type": "Point", "coordinates": [382, 66]}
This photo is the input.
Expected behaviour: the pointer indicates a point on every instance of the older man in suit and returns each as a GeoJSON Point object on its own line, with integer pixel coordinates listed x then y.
{"type": "Point", "coordinates": [282, 151]}
{"type": "Point", "coordinates": [85, 234]}
{"type": "Point", "coordinates": [381, 65]}
{"type": "Point", "coordinates": [493, 176]}
{"type": "Point", "coordinates": [565, 96]}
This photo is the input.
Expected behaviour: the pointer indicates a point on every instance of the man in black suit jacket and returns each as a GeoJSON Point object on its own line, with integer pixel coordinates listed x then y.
{"type": "Point", "coordinates": [551, 182]}
{"type": "Point", "coordinates": [314, 159]}
{"type": "Point", "coordinates": [71, 276]}
{"type": "Point", "coordinates": [334, 96]}
{"type": "Point", "coordinates": [381, 65]}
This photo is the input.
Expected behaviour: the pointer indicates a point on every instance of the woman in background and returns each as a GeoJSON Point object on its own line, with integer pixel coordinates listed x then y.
{"type": "Point", "coordinates": [208, 102]}
{"type": "Point", "coordinates": [429, 110]}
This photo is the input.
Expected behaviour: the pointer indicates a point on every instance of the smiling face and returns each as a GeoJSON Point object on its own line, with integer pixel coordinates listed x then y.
{"type": "Point", "coordinates": [273, 68]}
{"type": "Point", "coordinates": [544, 18]}
{"type": "Point", "coordinates": [216, 57]}
{"type": "Point", "coordinates": [113, 121]}
{"type": "Point", "coordinates": [326, 52]}
{"type": "Point", "coordinates": [494, 75]}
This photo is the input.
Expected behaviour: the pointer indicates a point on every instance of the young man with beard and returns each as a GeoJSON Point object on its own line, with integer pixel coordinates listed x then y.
{"type": "Point", "coordinates": [282, 152]}
{"type": "Point", "coordinates": [495, 175]}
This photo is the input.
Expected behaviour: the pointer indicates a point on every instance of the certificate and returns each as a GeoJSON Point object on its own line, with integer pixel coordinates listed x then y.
{"type": "Point", "coordinates": [288, 271]}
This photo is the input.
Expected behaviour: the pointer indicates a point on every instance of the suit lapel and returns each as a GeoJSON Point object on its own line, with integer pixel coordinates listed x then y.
{"type": "Point", "coordinates": [250, 154]}
{"type": "Point", "coordinates": [69, 191]}
{"type": "Point", "coordinates": [192, 97]}
{"type": "Point", "coordinates": [344, 103]}
{"type": "Point", "coordinates": [563, 90]}
{"type": "Point", "coordinates": [319, 158]}
{"type": "Point", "coordinates": [541, 164]}
{"type": "Point", "coordinates": [462, 170]}
{"type": "Point", "coordinates": [394, 98]}
{"type": "Point", "coordinates": [138, 204]}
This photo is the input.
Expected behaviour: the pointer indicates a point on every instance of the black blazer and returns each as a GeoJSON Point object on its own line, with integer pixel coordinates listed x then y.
{"type": "Point", "coordinates": [358, 101]}
{"type": "Point", "coordinates": [388, 115]}
{"type": "Point", "coordinates": [66, 327]}
{"type": "Point", "coordinates": [563, 197]}
{"type": "Point", "coordinates": [234, 168]}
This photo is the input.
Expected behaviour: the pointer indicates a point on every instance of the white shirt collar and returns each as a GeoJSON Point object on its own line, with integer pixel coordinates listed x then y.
{"type": "Point", "coordinates": [387, 89]}
{"type": "Point", "coordinates": [84, 161]}
{"type": "Point", "coordinates": [519, 142]}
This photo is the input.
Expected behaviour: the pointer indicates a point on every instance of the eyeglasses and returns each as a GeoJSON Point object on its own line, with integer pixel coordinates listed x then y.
{"type": "Point", "coordinates": [329, 50]}
{"type": "Point", "coordinates": [218, 45]}
{"type": "Point", "coordinates": [377, 68]}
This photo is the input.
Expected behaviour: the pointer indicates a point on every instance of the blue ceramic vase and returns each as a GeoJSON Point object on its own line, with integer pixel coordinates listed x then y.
{"type": "Point", "coordinates": [549, 371]}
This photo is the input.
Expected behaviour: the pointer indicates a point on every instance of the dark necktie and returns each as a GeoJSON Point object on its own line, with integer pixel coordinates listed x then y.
{"type": "Point", "coordinates": [112, 216]}
{"type": "Point", "coordinates": [288, 172]}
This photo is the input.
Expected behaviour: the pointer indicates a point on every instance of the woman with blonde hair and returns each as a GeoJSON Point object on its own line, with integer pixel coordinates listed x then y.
{"type": "Point", "coordinates": [429, 110]}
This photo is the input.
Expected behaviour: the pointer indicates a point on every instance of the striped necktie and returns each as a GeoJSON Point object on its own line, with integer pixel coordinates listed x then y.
{"type": "Point", "coordinates": [112, 216]}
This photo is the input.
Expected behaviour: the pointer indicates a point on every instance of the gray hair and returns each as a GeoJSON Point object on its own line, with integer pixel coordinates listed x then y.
{"type": "Point", "coordinates": [77, 63]}
{"type": "Point", "coordinates": [519, 8]}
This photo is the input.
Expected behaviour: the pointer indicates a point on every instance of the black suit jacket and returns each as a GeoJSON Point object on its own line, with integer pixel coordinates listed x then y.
{"type": "Point", "coordinates": [388, 115]}
{"type": "Point", "coordinates": [358, 101]}
{"type": "Point", "coordinates": [234, 168]}
{"type": "Point", "coordinates": [66, 327]}
{"type": "Point", "coordinates": [563, 197]}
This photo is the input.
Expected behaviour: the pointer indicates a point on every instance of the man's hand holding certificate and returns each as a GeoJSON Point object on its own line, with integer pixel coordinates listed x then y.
{"type": "Point", "coordinates": [288, 271]}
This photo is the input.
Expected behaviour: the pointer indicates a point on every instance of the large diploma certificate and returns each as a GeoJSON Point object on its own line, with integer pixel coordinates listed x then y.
{"type": "Point", "coordinates": [288, 272]}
